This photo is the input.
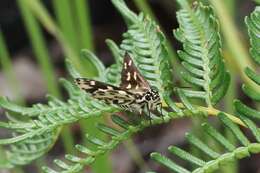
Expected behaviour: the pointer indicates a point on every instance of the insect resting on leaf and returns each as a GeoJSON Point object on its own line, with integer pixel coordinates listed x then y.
{"type": "Point", "coordinates": [134, 93]}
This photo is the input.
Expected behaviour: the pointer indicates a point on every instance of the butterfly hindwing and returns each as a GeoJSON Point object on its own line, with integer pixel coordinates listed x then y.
{"type": "Point", "coordinates": [105, 92]}
{"type": "Point", "coordinates": [131, 79]}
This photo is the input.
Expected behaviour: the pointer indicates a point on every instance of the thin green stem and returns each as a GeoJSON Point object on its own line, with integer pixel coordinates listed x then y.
{"type": "Point", "coordinates": [214, 112]}
{"type": "Point", "coordinates": [228, 106]}
{"type": "Point", "coordinates": [44, 17]}
{"type": "Point", "coordinates": [65, 17]}
{"type": "Point", "coordinates": [84, 22]}
{"type": "Point", "coordinates": [67, 139]}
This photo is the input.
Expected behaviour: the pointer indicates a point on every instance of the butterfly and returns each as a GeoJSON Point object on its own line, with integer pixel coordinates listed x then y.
{"type": "Point", "coordinates": [134, 93]}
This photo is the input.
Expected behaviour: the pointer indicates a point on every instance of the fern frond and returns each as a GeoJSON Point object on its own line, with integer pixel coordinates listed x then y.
{"type": "Point", "coordinates": [87, 154]}
{"type": "Point", "coordinates": [215, 159]}
{"type": "Point", "coordinates": [146, 44]}
{"type": "Point", "coordinates": [24, 152]}
{"type": "Point", "coordinates": [253, 25]}
{"type": "Point", "coordinates": [244, 111]}
{"type": "Point", "coordinates": [55, 114]}
{"type": "Point", "coordinates": [35, 129]}
{"type": "Point", "coordinates": [201, 55]}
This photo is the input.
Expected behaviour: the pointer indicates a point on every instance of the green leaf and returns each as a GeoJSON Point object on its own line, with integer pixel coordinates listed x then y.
{"type": "Point", "coordinates": [253, 25]}
{"type": "Point", "coordinates": [147, 46]}
{"type": "Point", "coordinates": [201, 55]}
{"type": "Point", "coordinates": [168, 163]}
{"type": "Point", "coordinates": [215, 160]}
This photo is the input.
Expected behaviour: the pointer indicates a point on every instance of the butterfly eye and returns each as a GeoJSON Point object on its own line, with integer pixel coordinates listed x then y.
{"type": "Point", "coordinates": [147, 97]}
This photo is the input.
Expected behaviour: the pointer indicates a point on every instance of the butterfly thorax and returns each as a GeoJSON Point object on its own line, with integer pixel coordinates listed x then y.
{"type": "Point", "coordinates": [149, 99]}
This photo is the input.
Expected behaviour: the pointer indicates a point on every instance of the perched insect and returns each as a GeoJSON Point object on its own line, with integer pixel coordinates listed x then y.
{"type": "Point", "coordinates": [134, 93]}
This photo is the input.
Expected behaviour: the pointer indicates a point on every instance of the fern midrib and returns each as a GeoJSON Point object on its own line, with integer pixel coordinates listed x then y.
{"type": "Point", "coordinates": [204, 58]}
{"type": "Point", "coordinates": [41, 127]}
{"type": "Point", "coordinates": [230, 154]}
{"type": "Point", "coordinates": [214, 112]}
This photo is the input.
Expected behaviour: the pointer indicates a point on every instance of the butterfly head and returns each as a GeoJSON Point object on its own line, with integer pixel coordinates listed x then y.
{"type": "Point", "coordinates": [152, 97]}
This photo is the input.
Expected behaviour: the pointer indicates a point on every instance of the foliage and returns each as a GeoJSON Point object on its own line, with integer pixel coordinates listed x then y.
{"type": "Point", "coordinates": [245, 113]}
{"type": "Point", "coordinates": [201, 57]}
{"type": "Point", "coordinates": [215, 159]}
{"type": "Point", "coordinates": [35, 129]}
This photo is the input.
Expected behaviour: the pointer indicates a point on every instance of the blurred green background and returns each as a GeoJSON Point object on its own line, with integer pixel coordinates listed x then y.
{"type": "Point", "coordinates": [36, 36]}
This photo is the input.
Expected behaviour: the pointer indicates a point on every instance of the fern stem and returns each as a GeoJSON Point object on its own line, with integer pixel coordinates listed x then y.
{"type": "Point", "coordinates": [44, 17]}
{"type": "Point", "coordinates": [214, 112]}
{"type": "Point", "coordinates": [84, 19]}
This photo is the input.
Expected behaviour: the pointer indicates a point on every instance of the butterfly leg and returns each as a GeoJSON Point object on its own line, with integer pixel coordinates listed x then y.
{"type": "Point", "coordinates": [149, 113]}
{"type": "Point", "coordinates": [161, 111]}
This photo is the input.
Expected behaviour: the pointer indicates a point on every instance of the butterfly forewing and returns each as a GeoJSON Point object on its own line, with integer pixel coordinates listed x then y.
{"type": "Point", "coordinates": [105, 92]}
{"type": "Point", "coordinates": [131, 79]}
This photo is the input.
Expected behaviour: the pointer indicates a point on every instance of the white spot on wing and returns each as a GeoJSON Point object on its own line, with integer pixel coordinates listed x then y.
{"type": "Point", "coordinates": [130, 62]}
{"type": "Point", "coordinates": [128, 86]}
{"type": "Point", "coordinates": [135, 75]}
{"type": "Point", "coordinates": [92, 82]}
{"type": "Point", "coordinates": [128, 76]}
{"type": "Point", "coordinates": [109, 87]}
{"type": "Point", "coordinates": [122, 92]}
{"type": "Point", "coordinates": [125, 65]}
{"type": "Point", "coordinates": [136, 87]}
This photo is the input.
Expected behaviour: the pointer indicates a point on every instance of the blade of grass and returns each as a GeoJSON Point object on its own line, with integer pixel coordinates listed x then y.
{"type": "Point", "coordinates": [65, 18]}
{"type": "Point", "coordinates": [41, 13]}
{"type": "Point", "coordinates": [40, 49]}
{"type": "Point", "coordinates": [8, 70]}
{"type": "Point", "coordinates": [228, 100]}
{"type": "Point", "coordinates": [84, 22]}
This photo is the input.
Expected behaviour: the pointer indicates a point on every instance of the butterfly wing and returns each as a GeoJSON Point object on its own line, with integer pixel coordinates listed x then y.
{"type": "Point", "coordinates": [131, 78]}
{"type": "Point", "coordinates": [105, 92]}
